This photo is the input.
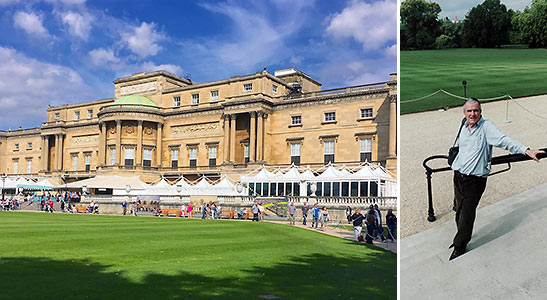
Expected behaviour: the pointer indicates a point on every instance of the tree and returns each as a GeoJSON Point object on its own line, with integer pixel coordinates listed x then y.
{"type": "Point", "coordinates": [487, 25]}
{"type": "Point", "coordinates": [419, 24]}
{"type": "Point", "coordinates": [452, 33]}
{"type": "Point", "coordinates": [536, 24]}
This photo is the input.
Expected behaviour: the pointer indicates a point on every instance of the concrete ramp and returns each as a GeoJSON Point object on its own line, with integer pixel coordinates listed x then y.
{"type": "Point", "coordinates": [506, 258]}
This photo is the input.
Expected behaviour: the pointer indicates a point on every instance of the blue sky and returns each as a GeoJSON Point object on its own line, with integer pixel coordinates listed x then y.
{"type": "Point", "coordinates": [54, 52]}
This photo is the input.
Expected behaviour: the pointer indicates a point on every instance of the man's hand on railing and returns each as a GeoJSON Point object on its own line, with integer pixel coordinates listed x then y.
{"type": "Point", "coordinates": [533, 153]}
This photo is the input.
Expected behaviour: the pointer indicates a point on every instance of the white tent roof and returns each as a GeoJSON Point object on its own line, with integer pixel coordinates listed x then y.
{"type": "Point", "coordinates": [332, 174]}
{"type": "Point", "coordinates": [45, 182]}
{"type": "Point", "coordinates": [203, 183]}
{"type": "Point", "coordinates": [110, 182]}
{"type": "Point", "coordinates": [364, 173]}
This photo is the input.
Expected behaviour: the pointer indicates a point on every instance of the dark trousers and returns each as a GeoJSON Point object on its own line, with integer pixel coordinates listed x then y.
{"type": "Point", "coordinates": [468, 190]}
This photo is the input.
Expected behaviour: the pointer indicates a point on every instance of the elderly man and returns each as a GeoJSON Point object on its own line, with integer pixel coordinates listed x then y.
{"type": "Point", "coordinates": [472, 166]}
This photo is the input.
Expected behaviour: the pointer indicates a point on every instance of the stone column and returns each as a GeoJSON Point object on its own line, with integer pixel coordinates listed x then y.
{"type": "Point", "coordinates": [158, 144]}
{"type": "Point", "coordinates": [138, 155]}
{"type": "Point", "coordinates": [226, 143]}
{"type": "Point", "coordinates": [102, 149]}
{"type": "Point", "coordinates": [252, 137]}
{"type": "Point", "coordinates": [118, 142]}
{"type": "Point", "coordinates": [260, 134]}
{"type": "Point", "coordinates": [233, 138]}
{"type": "Point", "coordinates": [60, 153]}
{"type": "Point", "coordinates": [44, 153]}
{"type": "Point", "coordinates": [393, 127]}
{"type": "Point", "coordinates": [57, 142]}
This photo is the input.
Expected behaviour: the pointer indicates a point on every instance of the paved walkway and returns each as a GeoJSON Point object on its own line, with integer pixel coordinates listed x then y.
{"type": "Point", "coordinates": [344, 233]}
{"type": "Point", "coordinates": [432, 133]}
{"type": "Point", "coordinates": [505, 259]}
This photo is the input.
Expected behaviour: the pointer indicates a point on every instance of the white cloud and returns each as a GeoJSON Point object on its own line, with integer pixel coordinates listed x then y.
{"type": "Point", "coordinates": [79, 25]}
{"type": "Point", "coordinates": [31, 23]}
{"type": "Point", "coordinates": [150, 66]}
{"type": "Point", "coordinates": [143, 40]}
{"type": "Point", "coordinates": [371, 24]}
{"type": "Point", "coordinates": [8, 2]}
{"type": "Point", "coordinates": [391, 51]}
{"type": "Point", "coordinates": [102, 56]}
{"type": "Point", "coordinates": [27, 86]}
{"type": "Point", "coordinates": [296, 60]}
{"type": "Point", "coordinates": [67, 2]}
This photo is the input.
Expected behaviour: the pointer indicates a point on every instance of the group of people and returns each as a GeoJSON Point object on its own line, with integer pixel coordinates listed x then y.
{"type": "Point", "coordinates": [319, 215]}
{"type": "Point", "coordinates": [372, 219]}
{"type": "Point", "coordinates": [9, 204]}
{"type": "Point", "coordinates": [258, 211]}
{"type": "Point", "coordinates": [211, 210]}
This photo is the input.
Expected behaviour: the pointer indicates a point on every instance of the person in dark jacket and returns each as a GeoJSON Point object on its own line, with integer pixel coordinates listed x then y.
{"type": "Point", "coordinates": [357, 219]}
{"type": "Point", "coordinates": [391, 222]}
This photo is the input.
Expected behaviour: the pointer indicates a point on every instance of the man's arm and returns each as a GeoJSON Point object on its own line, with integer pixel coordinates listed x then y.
{"type": "Point", "coordinates": [533, 153]}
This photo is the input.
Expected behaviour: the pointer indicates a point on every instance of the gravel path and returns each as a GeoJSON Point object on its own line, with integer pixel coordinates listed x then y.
{"type": "Point", "coordinates": [432, 133]}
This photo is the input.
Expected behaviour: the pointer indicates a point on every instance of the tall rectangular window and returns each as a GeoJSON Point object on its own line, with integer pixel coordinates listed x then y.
{"type": "Point", "coordinates": [16, 167]}
{"type": "Point", "coordinates": [193, 156]}
{"type": "Point", "coordinates": [214, 96]}
{"type": "Point", "coordinates": [366, 149]}
{"type": "Point", "coordinates": [129, 156]}
{"type": "Point", "coordinates": [16, 147]}
{"type": "Point", "coordinates": [112, 156]}
{"type": "Point", "coordinates": [29, 146]}
{"type": "Point", "coordinates": [329, 151]}
{"type": "Point", "coordinates": [174, 158]}
{"type": "Point", "coordinates": [57, 116]}
{"type": "Point", "coordinates": [195, 99]}
{"type": "Point", "coordinates": [75, 162]}
{"type": "Point", "coordinates": [212, 155]}
{"type": "Point", "coordinates": [176, 101]}
{"type": "Point", "coordinates": [274, 89]}
{"type": "Point", "coordinates": [246, 153]}
{"type": "Point", "coordinates": [90, 114]}
{"type": "Point", "coordinates": [88, 162]}
{"type": "Point", "coordinates": [76, 115]}
{"type": "Point", "coordinates": [147, 157]}
{"type": "Point", "coordinates": [29, 166]}
{"type": "Point", "coordinates": [366, 113]}
{"type": "Point", "coordinates": [295, 153]}
{"type": "Point", "coordinates": [247, 87]}
{"type": "Point", "coordinates": [330, 116]}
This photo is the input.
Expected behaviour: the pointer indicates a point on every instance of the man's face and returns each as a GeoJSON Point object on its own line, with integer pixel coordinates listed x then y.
{"type": "Point", "coordinates": [472, 112]}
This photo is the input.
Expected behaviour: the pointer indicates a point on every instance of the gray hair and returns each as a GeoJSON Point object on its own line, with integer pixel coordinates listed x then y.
{"type": "Point", "coordinates": [471, 100]}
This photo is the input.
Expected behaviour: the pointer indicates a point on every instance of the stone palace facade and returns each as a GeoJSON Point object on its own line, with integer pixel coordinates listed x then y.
{"type": "Point", "coordinates": [159, 124]}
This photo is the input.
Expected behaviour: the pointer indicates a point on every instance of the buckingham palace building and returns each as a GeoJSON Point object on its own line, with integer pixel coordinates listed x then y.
{"type": "Point", "coordinates": [159, 124]}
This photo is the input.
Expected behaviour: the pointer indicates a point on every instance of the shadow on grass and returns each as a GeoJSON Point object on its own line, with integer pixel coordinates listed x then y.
{"type": "Point", "coordinates": [311, 277]}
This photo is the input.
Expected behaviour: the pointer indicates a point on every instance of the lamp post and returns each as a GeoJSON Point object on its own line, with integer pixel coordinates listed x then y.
{"type": "Point", "coordinates": [464, 83]}
{"type": "Point", "coordinates": [3, 183]}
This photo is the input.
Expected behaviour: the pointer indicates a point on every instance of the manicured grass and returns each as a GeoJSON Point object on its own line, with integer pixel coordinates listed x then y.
{"type": "Point", "coordinates": [489, 73]}
{"type": "Point", "coordinates": [64, 256]}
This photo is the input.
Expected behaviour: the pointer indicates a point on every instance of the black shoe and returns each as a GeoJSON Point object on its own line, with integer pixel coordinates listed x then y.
{"type": "Point", "coordinates": [451, 246]}
{"type": "Point", "coordinates": [457, 252]}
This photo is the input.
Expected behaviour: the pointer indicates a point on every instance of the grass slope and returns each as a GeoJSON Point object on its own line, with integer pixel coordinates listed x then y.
{"type": "Point", "coordinates": [64, 256]}
{"type": "Point", "coordinates": [489, 73]}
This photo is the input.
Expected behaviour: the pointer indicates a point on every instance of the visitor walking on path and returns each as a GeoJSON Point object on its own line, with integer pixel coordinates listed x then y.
{"type": "Point", "coordinates": [379, 227]}
{"type": "Point", "coordinates": [324, 218]}
{"type": "Point", "coordinates": [357, 219]}
{"type": "Point", "coordinates": [391, 222]}
{"type": "Point", "coordinates": [124, 207]}
{"type": "Point", "coordinates": [291, 210]}
{"type": "Point", "coordinates": [305, 210]}
{"type": "Point", "coordinates": [371, 219]}
{"type": "Point", "coordinates": [255, 212]}
{"type": "Point", "coordinates": [315, 214]}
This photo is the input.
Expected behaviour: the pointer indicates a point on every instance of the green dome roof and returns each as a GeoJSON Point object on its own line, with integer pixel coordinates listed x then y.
{"type": "Point", "coordinates": [135, 100]}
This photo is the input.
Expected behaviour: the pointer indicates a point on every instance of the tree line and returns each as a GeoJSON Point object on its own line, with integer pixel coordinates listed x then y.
{"type": "Point", "coordinates": [487, 25]}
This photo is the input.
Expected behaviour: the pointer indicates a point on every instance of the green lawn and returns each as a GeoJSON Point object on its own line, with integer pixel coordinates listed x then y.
{"type": "Point", "coordinates": [489, 73]}
{"type": "Point", "coordinates": [64, 256]}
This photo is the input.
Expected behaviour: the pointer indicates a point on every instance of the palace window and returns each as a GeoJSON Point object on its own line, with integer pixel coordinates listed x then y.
{"type": "Point", "coordinates": [247, 87]}
{"type": "Point", "coordinates": [366, 149]}
{"type": "Point", "coordinates": [193, 156]}
{"type": "Point", "coordinates": [274, 89]}
{"type": "Point", "coordinates": [74, 162]}
{"type": "Point", "coordinates": [366, 113]}
{"type": "Point", "coordinates": [147, 157]}
{"type": "Point", "coordinates": [112, 156]}
{"type": "Point", "coordinates": [57, 116]}
{"type": "Point", "coordinates": [16, 147]}
{"type": "Point", "coordinates": [76, 115]}
{"type": "Point", "coordinates": [195, 99]}
{"type": "Point", "coordinates": [129, 156]}
{"type": "Point", "coordinates": [174, 158]}
{"type": "Point", "coordinates": [295, 153]}
{"type": "Point", "coordinates": [16, 167]}
{"type": "Point", "coordinates": [29, 166]}
{"type": "Point", "coordinates": [176, 101]}
{"type": "Point", "coordinates": [329, 151]}
{"type": "Point", "coordinates": [214, 96]}
{"type": "Point", "coordinates": [212, 155]}
{"type": "Point", "coordinates": [29, 146]}
{"type": "Point", "coordinates": [296, 120]}
{"type": "Point", "coordinates": [88, 162]}
{"type": "Point", "coordinates": [90, 114]}
{"type": "Point", "coordinates": [330, 116]}
{"type": "Point", "coordinates": [246, 153]}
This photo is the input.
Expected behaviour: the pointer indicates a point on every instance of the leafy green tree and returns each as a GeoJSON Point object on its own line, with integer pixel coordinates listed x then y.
{"type": "Point", "coordinates": [536, 24]}
{"type": "Point", "coordinates": [453, 32]}
{"type": "Point", "coordinates": [487, 25]}
{"type": "Point", "coordinates": [419, 24]}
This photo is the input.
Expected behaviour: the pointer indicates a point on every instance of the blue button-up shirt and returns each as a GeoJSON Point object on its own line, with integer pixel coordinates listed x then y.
{"type": "Point", "coordinates": [475, 152]}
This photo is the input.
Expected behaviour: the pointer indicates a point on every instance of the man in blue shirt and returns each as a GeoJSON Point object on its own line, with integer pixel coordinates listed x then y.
{"type": "Point", "coordinates": [472, 166]}
{"type": "Point", "coordinates": [315, 214]}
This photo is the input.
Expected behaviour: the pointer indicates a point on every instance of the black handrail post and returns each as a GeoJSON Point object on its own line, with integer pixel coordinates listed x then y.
{"type": "Point", "coordinates": [431, 212]}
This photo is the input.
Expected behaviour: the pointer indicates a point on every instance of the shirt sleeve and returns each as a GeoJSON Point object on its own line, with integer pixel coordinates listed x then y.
{"type": "Point", "coordinates": [496, 138]}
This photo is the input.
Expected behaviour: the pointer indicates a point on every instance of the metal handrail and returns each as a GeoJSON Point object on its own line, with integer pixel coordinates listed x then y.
{"type": "Point", "coordinates": [498, 160]}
